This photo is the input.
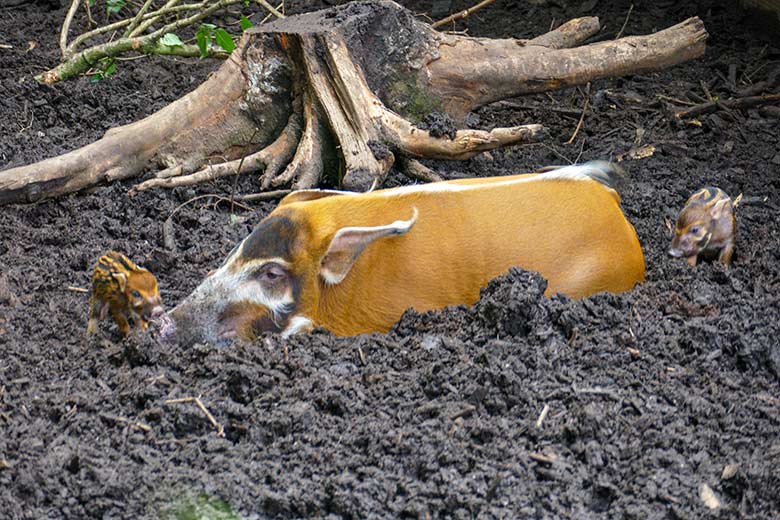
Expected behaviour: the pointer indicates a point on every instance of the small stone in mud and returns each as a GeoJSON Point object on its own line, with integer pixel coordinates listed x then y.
{"type": "Point", "coordinates": [707, 495]}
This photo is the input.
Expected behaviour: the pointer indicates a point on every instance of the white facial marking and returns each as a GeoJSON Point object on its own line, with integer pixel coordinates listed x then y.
{"type": "Point", "coordinates": [297, 325]}
{"type": "Point", "coordinates": [238, 286]}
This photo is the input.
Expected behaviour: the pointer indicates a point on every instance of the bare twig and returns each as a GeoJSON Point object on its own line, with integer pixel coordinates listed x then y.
{"type": "Point", "coordinates": [543, 415]}
{"type": "Point", "coordinates": [463, 14]}
{"type": "Point", "coordinates": [675, 100]}
{"type": "Point", "coordinates": [737, 103]}
{"type": "Point", "coordinates": [582, 116]}
{"type": "Point", "coordinates": [66, 26]}
{"type": "Point", "coordinates": [87, 8]}
{"type": "Point", "coordinates": [133, 424]}
{"type": "Point", "coordinates": [466, 410]}
{"type": "Point", "coordinates": [134, 38]}
{"type": "Point", "coordinates": [157, 15]}
{"type": "Point", "coordinates": [268, 7]}
{"type": "Point", "coordinates": [540, 457]}
{"type": "Point", "coordinates": [76, 289]}
{"type": "Point", "coordinates": [279, 8]}
{"type": "Point", "coordinates": [122, 23]}
{"type": "Point", "coordinates": [622, 29]}
{"type": "Point", "coordinates": [266, 195]}
{"type": "Point", "coordinates": [137, 18]}
{"type": "Point", "coordinates": [217, 426]}
{"type": "Point", "coordinates": [706, 90]}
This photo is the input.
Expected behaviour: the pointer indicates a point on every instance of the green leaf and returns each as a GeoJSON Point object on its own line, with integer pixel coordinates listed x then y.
{"type": "Point", "coordinates": [106, 68]}
{"type": "Point", "coordinates": [203, 37]}
{"type": "Point", "coordinates": [210, 26]}
{"type": "Point", "coordinates": [114, 6]}
{"type": "Point", "coordinates": [224, 40]}
{"type": "Point", "coordinates": [171, 40]}
{"type": "Point", "coordinates": [246, 23]}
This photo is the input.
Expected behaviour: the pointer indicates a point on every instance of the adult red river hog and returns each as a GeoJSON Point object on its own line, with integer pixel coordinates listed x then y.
{"type": "Point", "coordinates": [353, 263]}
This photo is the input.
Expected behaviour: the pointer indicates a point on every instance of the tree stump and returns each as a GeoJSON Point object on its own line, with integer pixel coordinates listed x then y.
{"type": "Point", "coordinates": [346, 85]}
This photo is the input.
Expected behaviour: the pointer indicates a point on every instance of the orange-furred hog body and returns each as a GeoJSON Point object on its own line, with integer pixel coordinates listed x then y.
{"type": "Point", "coordinates": [353, 263]}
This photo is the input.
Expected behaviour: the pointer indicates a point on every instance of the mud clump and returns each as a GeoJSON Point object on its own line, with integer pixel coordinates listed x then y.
{"type": "Point", "coordinates": [439, 125]}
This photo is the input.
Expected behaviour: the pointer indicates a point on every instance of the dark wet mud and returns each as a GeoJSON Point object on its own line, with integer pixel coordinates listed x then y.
{"type": "Point", "coordinates": [616, 406]}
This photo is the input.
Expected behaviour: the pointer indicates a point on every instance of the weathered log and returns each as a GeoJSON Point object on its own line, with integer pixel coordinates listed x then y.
{"type": "Point", "coordinates": [346, 83]}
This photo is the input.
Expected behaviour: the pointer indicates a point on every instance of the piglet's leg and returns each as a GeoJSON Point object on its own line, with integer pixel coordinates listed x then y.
{"type": "Point", "coordinates": [120, 319]}
{"type": "Point", "coordinates": [96, 309]}
{"type": "Point", "coordinates": [725, 254]}
{"type": "Point", "coordinates": [692, 260]}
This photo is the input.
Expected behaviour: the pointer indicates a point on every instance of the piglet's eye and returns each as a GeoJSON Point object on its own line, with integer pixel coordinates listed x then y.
{"type": "Point", "coordinates": [136, 294]}
{"type": "Point", "coordinates": [695, 229]}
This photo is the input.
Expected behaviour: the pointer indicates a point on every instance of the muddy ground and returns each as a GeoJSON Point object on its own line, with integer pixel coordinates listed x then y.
{"type": "Point", "coordinates": [650, 395]}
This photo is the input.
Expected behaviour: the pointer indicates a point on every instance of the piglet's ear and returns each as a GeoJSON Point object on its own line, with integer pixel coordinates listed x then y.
{"type": "Point", "coordinates": [349, 242]}
{"type": "Point", "coordinates": [719, 207]}
{"type": "Point", "coordinates": [121, 279]}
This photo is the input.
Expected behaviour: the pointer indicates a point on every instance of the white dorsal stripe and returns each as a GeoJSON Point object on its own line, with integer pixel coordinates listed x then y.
{"type": "Point", "coordinates": [599, 171]}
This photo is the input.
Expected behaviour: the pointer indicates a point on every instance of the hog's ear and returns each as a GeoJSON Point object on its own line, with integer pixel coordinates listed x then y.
{"type": "Point", "coordinates": [121, 279]}
{"type": "Point", "coordinates": [719, 207]}
{"type": "Point", "coordinates": [349, 242]}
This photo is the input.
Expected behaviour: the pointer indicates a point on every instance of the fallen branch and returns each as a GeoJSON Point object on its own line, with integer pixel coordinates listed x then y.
{"type": "Point", "coordinates": [133, 39]}
{"type": "Point", "coordinates": [736, 103]}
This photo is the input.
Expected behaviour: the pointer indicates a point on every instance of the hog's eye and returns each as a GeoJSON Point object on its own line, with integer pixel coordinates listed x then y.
{"type": "Point", "coordinates": [271, 273]}
{"type": "Point", "coordinates": [136, 294]}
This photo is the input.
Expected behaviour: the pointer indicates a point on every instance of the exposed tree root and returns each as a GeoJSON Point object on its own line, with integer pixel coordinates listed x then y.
{"type": "Point", "coordinates": [346, 83]}
{"type": "Point", "coordinates": [306, 166]}
{"type": "Point", "coordinates": [416, 170]}
{"type": "Point", "coordinates": [272, 158]}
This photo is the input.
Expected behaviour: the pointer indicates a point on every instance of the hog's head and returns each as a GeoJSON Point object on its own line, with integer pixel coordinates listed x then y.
{"type": "Point", "coordinates": [273, 280]}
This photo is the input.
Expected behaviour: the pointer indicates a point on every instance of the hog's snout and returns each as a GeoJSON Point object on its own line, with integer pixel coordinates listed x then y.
{"type": "Point", "coordinates": [157, 312]}
{"type": "Point", "coordinates": [675, 252]}
{"type": "Point", "coordinates": [168, 328]}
